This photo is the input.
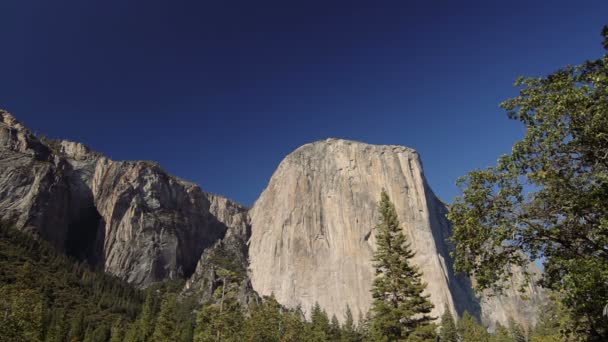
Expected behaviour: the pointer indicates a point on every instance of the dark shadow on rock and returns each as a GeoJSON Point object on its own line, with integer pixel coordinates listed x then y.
{"type": "Point", "coordinates": [85, 233]}
{"type": "Point", "coordinates": [460, 285]}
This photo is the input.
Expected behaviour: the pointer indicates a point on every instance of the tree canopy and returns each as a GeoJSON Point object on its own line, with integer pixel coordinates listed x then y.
{"type": "Point", "coordinates": [548, 199]}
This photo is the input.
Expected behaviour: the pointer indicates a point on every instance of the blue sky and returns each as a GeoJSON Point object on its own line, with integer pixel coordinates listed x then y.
{"type": "Point", "coordinates": [219, 92]}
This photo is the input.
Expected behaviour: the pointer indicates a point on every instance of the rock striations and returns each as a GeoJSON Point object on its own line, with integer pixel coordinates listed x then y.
{"type": "Point", "coordinates": [309, 237]}
{"type": "Point", "coordinates": [313, 230]}
{"type": "Point", "coordinates": [131, 219]}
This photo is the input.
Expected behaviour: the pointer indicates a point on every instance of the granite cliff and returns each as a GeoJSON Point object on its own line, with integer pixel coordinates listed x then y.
{"type": "Point", "coordinates": [309, 237]}
{"type": "Point", "coordinates": [313, 232]}
{"type": "Point", "coordinates": [129, 218]}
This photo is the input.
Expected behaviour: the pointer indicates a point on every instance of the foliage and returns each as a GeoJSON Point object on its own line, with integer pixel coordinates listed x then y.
{"type": "Point", "coordinates": [265, 323]}
{"type": "Point", "coordinates": [448, 332]}
{"type": "Point", "coordinates": [45, 296]}
{"type": "Point", "coordinates": [319, 324]}
{"type": "Point", "coordinates": [166, 326]}
{"type": "Point", "coordinates": [399, 308]}
{"type": "Point", "coordinates": [549, 198]}
{"type": "Point", "coordinates": [469, 329]}
{"type": "Point", "coordinates": [296, 327]}
{"type": "Point", "coordinates": [349, 330]}
{"type": "Point", "coordinates": [222, 320]}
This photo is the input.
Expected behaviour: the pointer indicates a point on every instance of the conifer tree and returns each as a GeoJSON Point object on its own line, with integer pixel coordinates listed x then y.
{"type": "Point", "coordinates": [58, 327]}
{"type": "Point", "coordinates": [448, 327]}
{"type": "Point", "coordinates": [399, 307]}
{"type": "Point", "coordinates": [334, 329]}
{"type": "Point", "coordinates": [166, 327]}
{"type": "Point", "coordinates": [295, 326]}
{"type": "Point", "coordinates": [349, 332]}
{"type": "Point", "coordinates": [319, 324]}
{"type": "Point", "coordinates": [469, 329]}
{"type": "Point", "coordinates": [143, 328]}
{"type": "Point", "coordinates": [118, 331]}
{"type": "Point", "coordinates": [77, 328]}
{"type": "Point", "coordinates": [364, 327]}
{"type": "Point", "coordinates": [265, 323]}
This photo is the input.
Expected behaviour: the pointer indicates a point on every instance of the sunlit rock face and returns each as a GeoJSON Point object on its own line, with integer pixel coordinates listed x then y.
{"type": "Point", "coordinates": [130, 218]}
{"type": "Point", "coordinates": [313, 229]}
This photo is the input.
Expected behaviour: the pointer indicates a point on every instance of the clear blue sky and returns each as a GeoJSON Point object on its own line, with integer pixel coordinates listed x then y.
{"type": "Point", "coordinates": [219, 92]}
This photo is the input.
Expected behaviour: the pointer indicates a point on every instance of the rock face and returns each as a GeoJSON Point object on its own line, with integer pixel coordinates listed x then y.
{"type": "Point", "coordinates": [313, 229]}
{"type": "Point", "coordinates": [131, 219]}
{"type": "Point", "coordinates": [309, 238]}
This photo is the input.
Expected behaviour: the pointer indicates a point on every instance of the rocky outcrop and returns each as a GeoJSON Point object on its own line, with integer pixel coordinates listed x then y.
{"type": "Point", "coordinates": [229, 254]}
{"type": "Point", "coordinates": [313, 229]}
{"type": "Point", "coordinates": [130, 218]}
{"type": "Point", "coordinates": [309, 238]}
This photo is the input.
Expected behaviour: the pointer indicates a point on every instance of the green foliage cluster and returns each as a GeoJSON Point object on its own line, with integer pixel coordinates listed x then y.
{"type": "Point", "coordinates": [45, 296]}
{"type": "Point", "coordinates": [548, 198]}
{"type": "Point", "coordinates": [269, 321]}
{"type": "Point", "coordinates": [552, 326]}
{"type": "Point", "coordinates": [400, 310]}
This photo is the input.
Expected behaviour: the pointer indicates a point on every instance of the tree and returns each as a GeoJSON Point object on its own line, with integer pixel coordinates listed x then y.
{"type": "Point", "coordinates": [549, 198]}
{"type": "Point", "coordinates": [399, 307]}
{"type": "Point", "coordinates": [143, 328]}
{"type": "Point", "coordinates": [265, 323]}
{"type": "Point", "coordinates": [118, 331]}
{"type": "Point", "coordinates": [77, 328]}
{"type": "Point", "coordinates": [554, 322]}
{"type": "Point", "coordinates": [167, 325]}
{"type": "Point", "coordinates": [448, 327]}
{"type": "Point", "coordinates": [319, 324]}
{"type": "Point", "coordinates": [295, 326]}
{"type": "Point", "coordinates": [349, 331]}
{"type": "Point", "coordinates": [224, 319]}
{"type": "Point", "coordinates": [469, 329]}
{"type": "Point", "coordinates": [334, 329]}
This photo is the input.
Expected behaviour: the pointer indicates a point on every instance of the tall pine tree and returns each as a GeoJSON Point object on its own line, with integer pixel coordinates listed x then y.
{"type": "Point", "coordinates": [448, 327]}
{"type": "Point", "coordinates": [400, 311]}
{"type": "Point", "coordinates": [167, 324]}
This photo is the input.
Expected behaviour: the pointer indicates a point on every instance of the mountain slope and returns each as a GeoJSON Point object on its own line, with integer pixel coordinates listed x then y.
{"type": "Point", "coordinates": [130, 219]}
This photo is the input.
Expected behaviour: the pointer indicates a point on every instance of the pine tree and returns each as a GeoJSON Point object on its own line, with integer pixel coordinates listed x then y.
{"type": "Point", "coordinates": [58, 327]}
{"type": "Point", "coordinates": [469, 329]}
{"type": "Point", "coordinates": [349, 332]}
{"type": "Point", "coordinates": [334, 329]}
{"type": "Point", "coordinates": [448, 327]}
{"type": "Point", "coordinates": [167, 326]}
{"type": "Point", "coordinates": [118, 331]}
{"type": "Point", "coordinates": [364, 326]}
{"type": "Point", "coordinates": [77, 328]}
{"type": "Point", "coordinates": [295, 326]}
{"type": "Point", "coordinates": [319, 324]}
{"type": "Point", "coordinates": [399, 307]}
{"type": "Point", "coordinates": [143, 328]}
{"type": "Point", "coordinates": [265, 323]}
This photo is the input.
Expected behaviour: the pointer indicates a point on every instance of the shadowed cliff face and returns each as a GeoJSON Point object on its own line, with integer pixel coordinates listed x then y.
{"type": "Point", "coordinates": [131, 219]}
{"type": "Point", "coordinates": [313, 229]}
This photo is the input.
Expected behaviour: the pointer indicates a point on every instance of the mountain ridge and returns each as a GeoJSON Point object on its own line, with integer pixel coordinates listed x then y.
{"type": "Point", "coordinates": [150, 225]}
